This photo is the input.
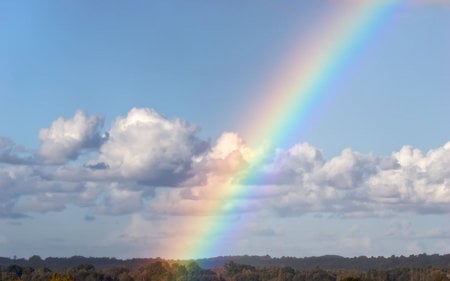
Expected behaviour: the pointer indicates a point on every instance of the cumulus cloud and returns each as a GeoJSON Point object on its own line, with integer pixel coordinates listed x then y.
{"type": "Point", "coordinates": [299, 180]}
{"type": "Point", "coordinates": [67, 138]}
{"type": "Point", "coordinates": [147, 147]}
{"type": "Point", "coordinates": [144, 150]}
{"type": "Point", "coordinates": [155, 165]}
{"type": "Point", "coordinates": [27, 190]}
{"type": "Point", "coordinates": [14, 184]}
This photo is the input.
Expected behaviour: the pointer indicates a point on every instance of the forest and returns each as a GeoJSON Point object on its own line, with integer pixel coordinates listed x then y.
{"type": "Point", "coordinates": [325, 268]}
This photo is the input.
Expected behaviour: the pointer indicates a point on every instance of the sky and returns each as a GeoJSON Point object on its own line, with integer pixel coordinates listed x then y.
{"type": "Point", "coordinates": [127, 129]}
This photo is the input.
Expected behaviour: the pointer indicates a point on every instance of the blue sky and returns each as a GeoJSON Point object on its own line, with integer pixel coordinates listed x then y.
{"type": "Point", "coordinates": [78, 68]}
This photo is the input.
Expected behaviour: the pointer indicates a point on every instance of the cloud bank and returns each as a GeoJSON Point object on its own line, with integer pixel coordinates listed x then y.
{"type": "Point", "coordinates": [147, 163]}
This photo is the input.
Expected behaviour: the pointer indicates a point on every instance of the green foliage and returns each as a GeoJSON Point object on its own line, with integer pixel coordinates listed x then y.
{"type": "Point", "coordinates": [161, 270]}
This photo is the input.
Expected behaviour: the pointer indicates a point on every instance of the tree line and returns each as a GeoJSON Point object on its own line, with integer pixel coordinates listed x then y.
{"type": "Point", "coordinates": [326, 262]}
{"type": "Point", "coordinates": [163, 270]}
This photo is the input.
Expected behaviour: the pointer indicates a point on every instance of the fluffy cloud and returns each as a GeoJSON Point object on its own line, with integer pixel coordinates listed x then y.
{"type": "Point", "coordinates": [67, 138]}
{"type": "Point", "coordinates": [421, 183]}
{"type": "Point", "coordinates": [15, 183]}
{"type": "Point", "coordinates": [145, 146]}
{"type": "Point", "coordinates": [144, 149]}
{"type": "Point", "coordinates": [146, 153]}
{"type": "Point", "coordinates": [299, 180]}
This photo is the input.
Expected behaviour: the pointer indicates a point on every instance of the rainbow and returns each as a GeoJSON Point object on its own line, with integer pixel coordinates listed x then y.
{"type": "Point", "coordinates": [301, 85]}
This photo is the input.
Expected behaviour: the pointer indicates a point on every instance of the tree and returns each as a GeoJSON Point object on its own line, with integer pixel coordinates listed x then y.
{"type": "Point", "coordinates": [14, 271]}
{"type": "Point", "coordinates": [155, 271]}
{"type": "Point", "coordinates": [85, 272]}
{"type": "Point", "coordinates": [58, 277]}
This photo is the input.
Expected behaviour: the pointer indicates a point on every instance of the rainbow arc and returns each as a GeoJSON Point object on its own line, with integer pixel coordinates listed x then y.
{"type": "Point", "coordinates": [288, 102]}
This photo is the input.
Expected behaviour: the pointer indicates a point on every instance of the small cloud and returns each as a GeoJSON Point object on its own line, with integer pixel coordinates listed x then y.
{"type": "Point", "coordinates": [66, 139]}
{"type": "Point", "coordinates": [97, 166]}
{"type": "Point", "coordinates": [10, 153]}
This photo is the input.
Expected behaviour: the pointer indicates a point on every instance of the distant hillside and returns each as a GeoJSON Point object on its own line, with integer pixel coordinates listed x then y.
{"type": "Point", "coordinates": [324, 262]}
{"type": "Point", "coordinates": [63, 263]}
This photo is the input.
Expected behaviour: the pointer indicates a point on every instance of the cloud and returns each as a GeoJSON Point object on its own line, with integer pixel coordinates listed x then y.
{"type": "Point", "coordinates": [44, 202]}
{"type": "Point", "coordinates": [421, 183]}
{"type": "Point", "coordinates": [27, 190]}
{"type": "Point", "coordinates": [120, 201]}
{"type": "Point", "coordinates": [299, 180]}
{"type": "Point", "coordinates": [150, 164]}
{"type": "Point", "coordinates": [66, 139]}
{"type": "Point", "coordinates": [10, 153]}
{"type": "Point", "coordinates": [146, 147]}
{"type": "Point", "coordinates": [15, 182]}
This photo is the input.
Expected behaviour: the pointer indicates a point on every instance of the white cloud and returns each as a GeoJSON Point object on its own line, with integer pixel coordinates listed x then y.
{"type": "Point", "coordinates": [67, 138]}
{"type": "Point", "coordinates": [145, 146]}
{"type": "Point", "coordinates": [15, 182]}
{"type": "Point", "coordinates": [27, 190]}
{"type": "Point", "coordinates": [299, 180]}
{"type": "Point", "coordinates": [293, 165]}
{"type": "Point", "coordinates": [146, 153]}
